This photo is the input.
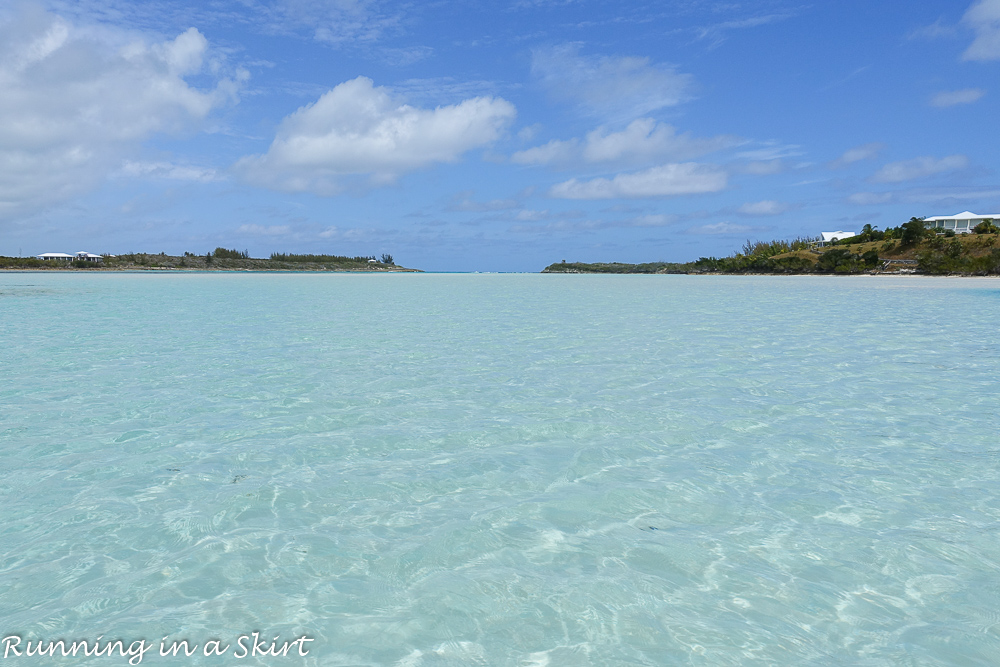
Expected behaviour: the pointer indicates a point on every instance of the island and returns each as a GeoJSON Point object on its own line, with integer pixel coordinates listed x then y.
{"type": "Point", "coordinates": [221, 259]}
{"type": "Point", "coordinates": [912, 248]}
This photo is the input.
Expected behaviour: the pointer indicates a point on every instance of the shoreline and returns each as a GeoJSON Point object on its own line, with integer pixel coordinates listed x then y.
{"type": "Point", "coordinates": [167, 269]}
{"type": "Point", "coordinates": [911, 274]}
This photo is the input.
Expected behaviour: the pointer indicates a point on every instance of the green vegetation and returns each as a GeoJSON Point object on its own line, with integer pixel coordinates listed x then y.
{"type": "Point", "coordinates": [974, 255]}
{"type": "Point", "coordinates": [986, 227]}
{"type": "Point", "coordinates": [616, 267]}
{"type": "Point", "coordinates": [841, 260]}
{"type": "Point", "coordinates": [22, 263]}
{"type": "Point", "coordinates": [220, 259]}
{"type": "Point", "coordinates": [318, 259]}
{"type": "Point", "coordinates": [223, 253]}
{"type": "Point", "coordinates": [909, 247]}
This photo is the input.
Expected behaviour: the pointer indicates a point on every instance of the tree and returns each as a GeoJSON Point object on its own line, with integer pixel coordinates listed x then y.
{"type": "Point", "coordinates": [387, 259]}
{"type": "Point", "coordinates": [913, 231]}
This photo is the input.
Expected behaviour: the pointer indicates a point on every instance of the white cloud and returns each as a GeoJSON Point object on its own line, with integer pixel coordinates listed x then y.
{"type": "Point", "coordinates": [644, 140]}
{"type": "Point", "coordinates": [950, 98]}
{"type": "Point", "coordinates": [463, 201]}
{"type": "Point", "coordinates": [529, 215]}
{"type": "Point", "coordinates": [766, 207]}
{"type": "Point", "coordinates": [936, 30]}
{"type": "Point", "coordinates": [653, 220]}
{"type": "Point", "coordinates": [921, 167]}
{"type": "Point", "coordinates": [716, 33]}
{"type": "Point", "coordinates": [858, 153]}
{"type": "Point", "coordinates": [359, 129]}
{"type": "Point", "coordinates": [554, 152]}
{"type": "Point", "coordinates": [722, 228]}
{"type": "Point", "coordinates": [663, 181]}
{"type": "Point", "coordinates": [771, 151]}
{"type": "Point", "coordinates": [530, 132]}
{"type": "Point", "coordinates": [612, 87]}
{"type": "Point", "coordinates": [337, 22]}
{"type": "Point", "coordinates": [761, 168]}
{"type": "Point", "coordinates": [870, 198]}
{"type": "Point", "coordinates": [170, 171]}
{"type": "Point", "coordinates": [984, 18]}
{"type": "Point", "coordinates": [75, 102]}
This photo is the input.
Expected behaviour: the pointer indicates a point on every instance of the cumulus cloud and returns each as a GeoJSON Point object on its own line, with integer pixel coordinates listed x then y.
{"type": "Point", "coordinates": [921, 167]}
{"type": "Point", "coordinates": [762, 208]}
{"type": "Point", "coordinates": [613, 87]}
{"type": "Point", "coordinates": [870, 198]}
{"type": "Point", "coordinates": [663, 181]}
{"type": "Point", "coordinates": [858, 153]}
{"type": "Point", "coordinates": [984, 18]}
{"type": "Point", "coordinates": [76, 102]}
{"type": "Point", "coordinates": [554, 152]}
{"type": "Point", "coordinates": [360, 129]}
{"type": "Point", "coordinates": [644, 140]}
{"type": "Point", "coordinates": [950, 98]}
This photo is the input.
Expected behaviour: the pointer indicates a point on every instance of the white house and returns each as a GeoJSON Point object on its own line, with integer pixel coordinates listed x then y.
{"type": "Point", "coordinates": [962, 223]}
{"type": "Point", "coordinates": [827, 237]}
{"type": "Point", "coordinates": [63, 257]}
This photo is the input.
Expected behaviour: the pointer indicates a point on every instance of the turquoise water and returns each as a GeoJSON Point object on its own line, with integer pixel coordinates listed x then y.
{"type": "Point", "coordinates": [503, 469]}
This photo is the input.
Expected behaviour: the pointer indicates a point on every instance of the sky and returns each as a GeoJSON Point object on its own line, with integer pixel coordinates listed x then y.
{"type": "Point", "coordinates": [459, 135]}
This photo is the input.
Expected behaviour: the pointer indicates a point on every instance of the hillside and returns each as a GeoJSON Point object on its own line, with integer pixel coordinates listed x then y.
{"type": "Point", "coordinates": [932, 254]}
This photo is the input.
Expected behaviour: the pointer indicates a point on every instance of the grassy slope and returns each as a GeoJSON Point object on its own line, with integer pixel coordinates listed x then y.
{"type": "Point", "coordinates": [972, 246]}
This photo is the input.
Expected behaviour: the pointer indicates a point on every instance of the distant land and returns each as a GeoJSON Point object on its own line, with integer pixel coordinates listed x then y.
{"type": "Point", "coordinates": [222, 259]}
{"type": "Point", "coordinates": [907, 249]}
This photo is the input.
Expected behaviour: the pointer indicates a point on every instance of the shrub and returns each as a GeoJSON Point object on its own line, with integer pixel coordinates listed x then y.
{"type": "Point", "coordinates": [841, 260]}
{"type": "Point", "coordinates": [986, 227]}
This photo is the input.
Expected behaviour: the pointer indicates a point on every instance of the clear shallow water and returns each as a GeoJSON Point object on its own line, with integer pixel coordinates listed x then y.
{"type": "Point", "coordinates": [504, 469]}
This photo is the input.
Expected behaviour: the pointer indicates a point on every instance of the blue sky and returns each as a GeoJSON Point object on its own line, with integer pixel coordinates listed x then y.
{"type": "Point", "coordinates": [462, 136]}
